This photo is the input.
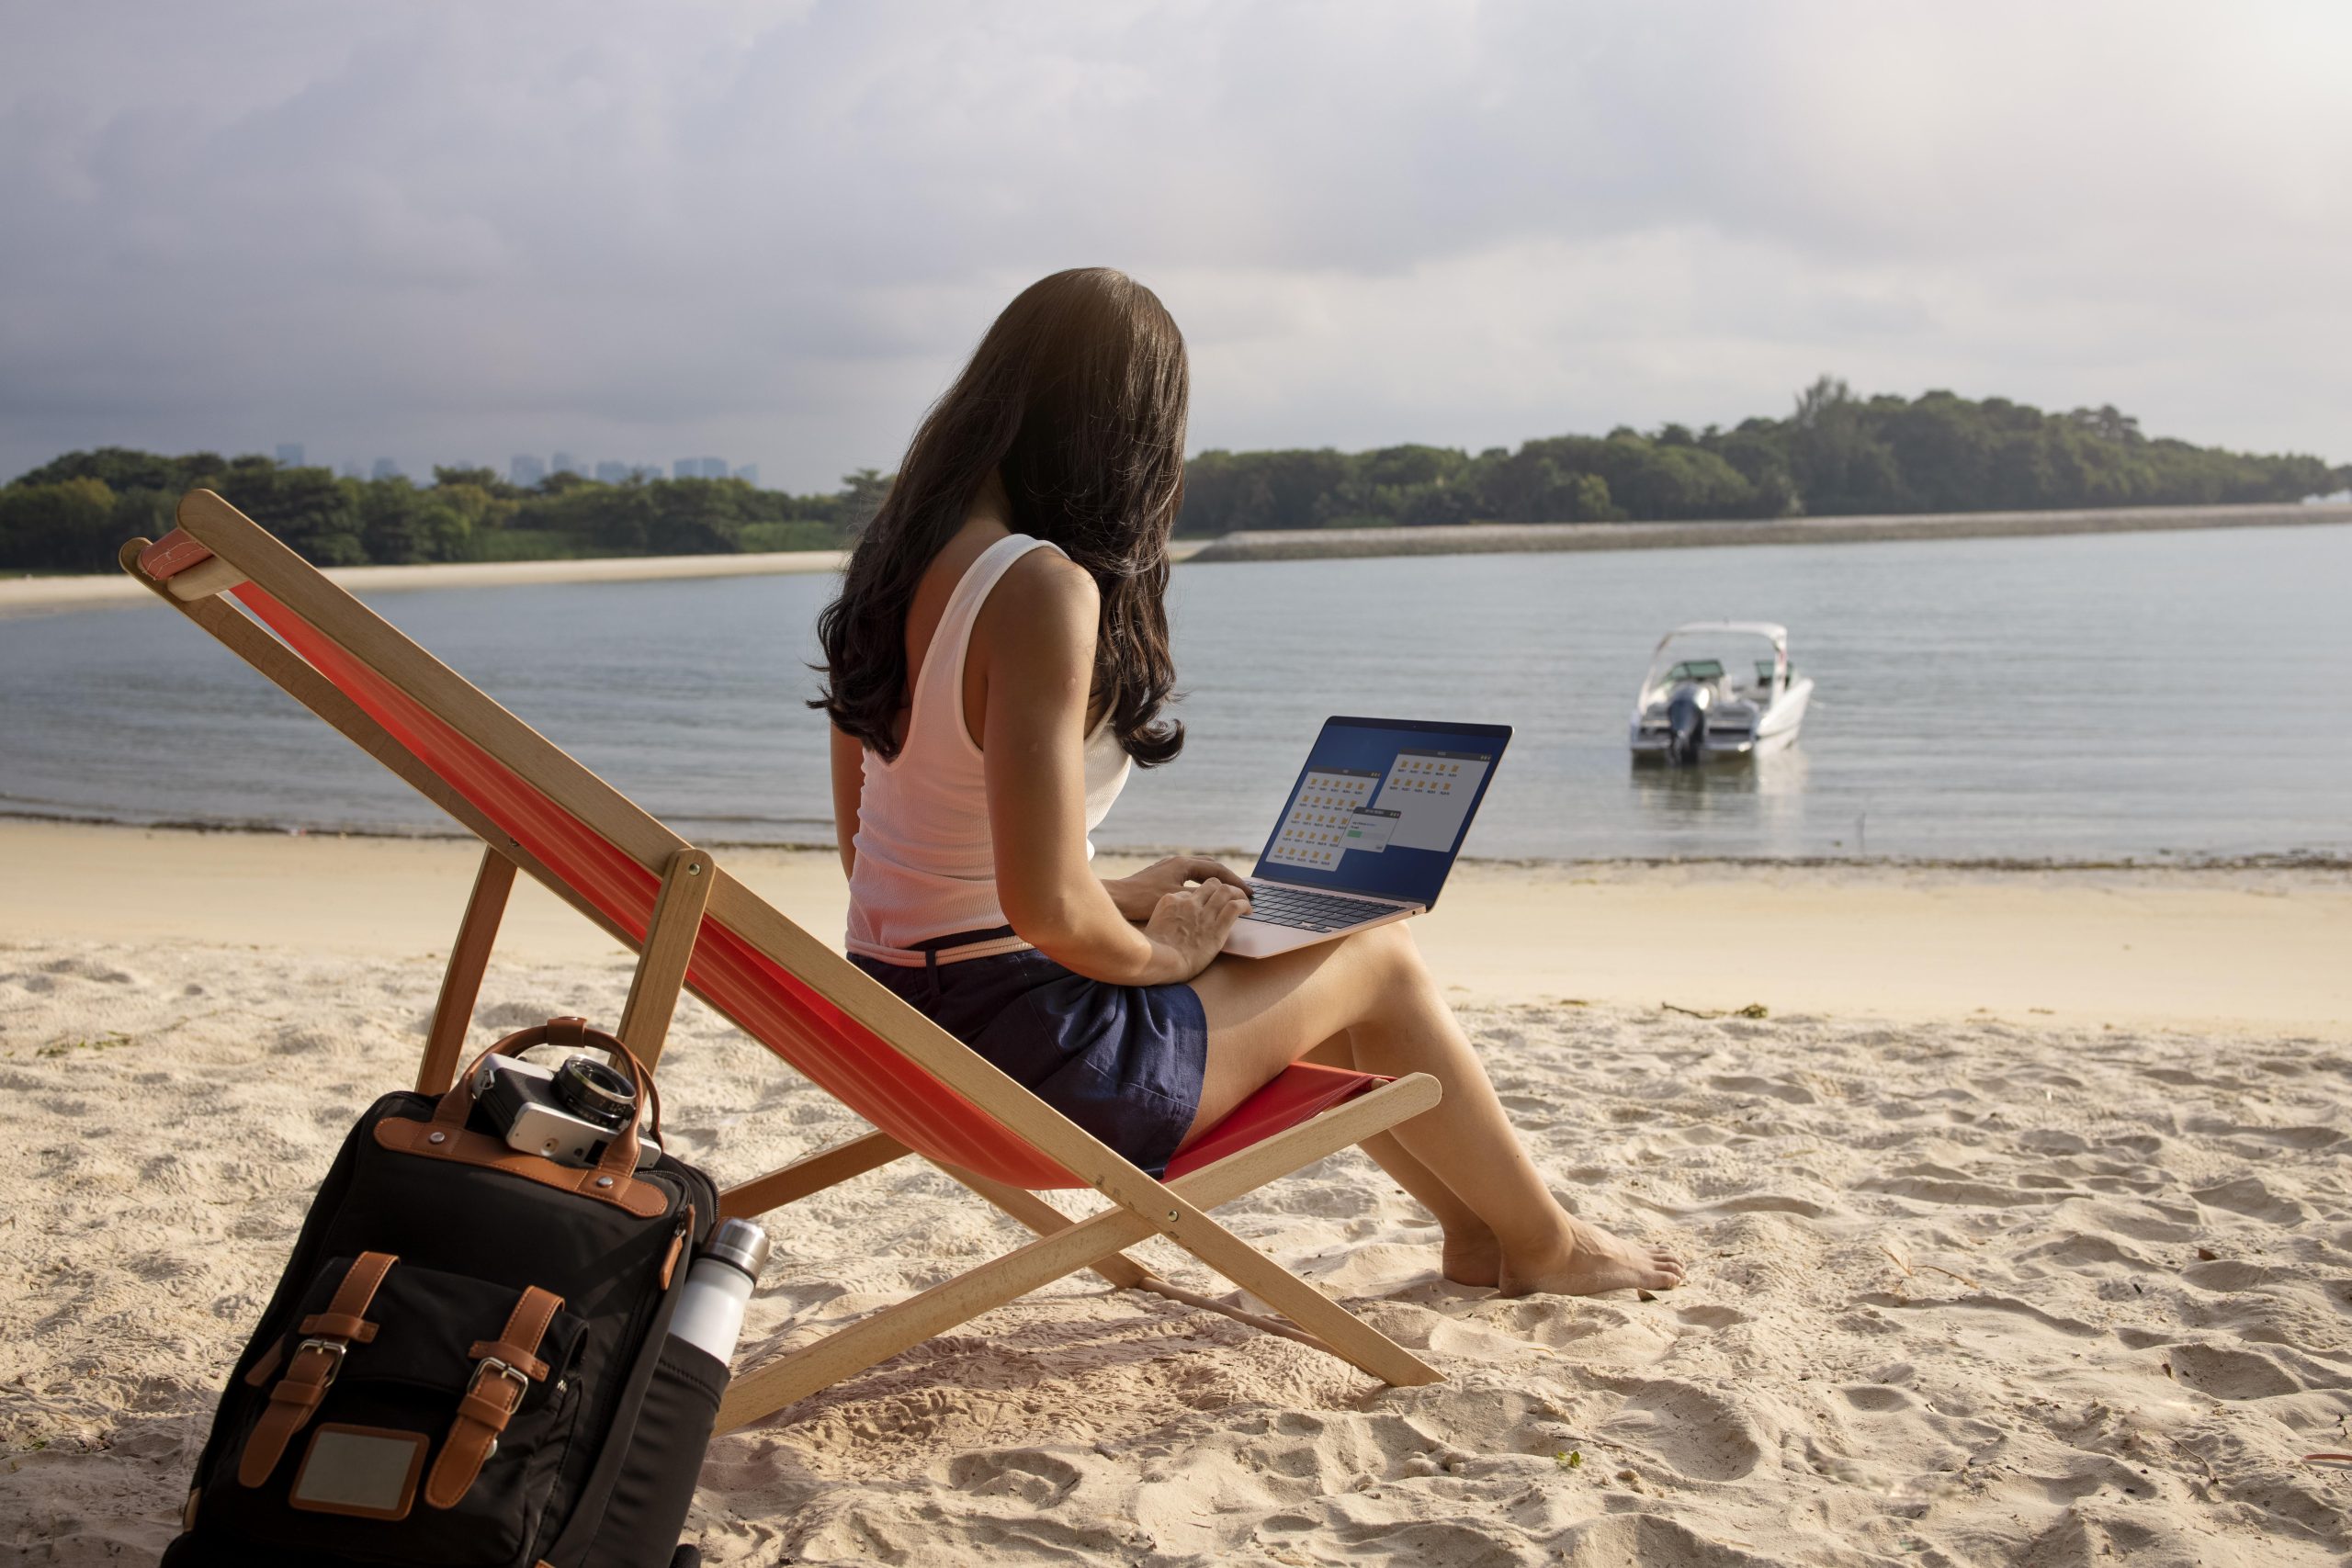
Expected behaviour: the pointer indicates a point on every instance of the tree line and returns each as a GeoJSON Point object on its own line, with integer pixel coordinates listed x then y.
{"type": "Point", "coordinates": [1835, 454]}
{"type": "Point", "coordinates": [73, 513]}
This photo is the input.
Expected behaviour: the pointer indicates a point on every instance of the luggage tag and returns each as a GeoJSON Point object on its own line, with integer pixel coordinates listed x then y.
{"type": "Point", "coordinates": [368, 1472]}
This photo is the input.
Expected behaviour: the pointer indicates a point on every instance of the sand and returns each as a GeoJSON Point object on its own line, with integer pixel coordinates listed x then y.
{"type": "Point", "coordinates": [51, 595]}
{"type": "Point", "coordinates": [2247, 952]}
{"type": "Point", "coordinates": [1968, 1288]}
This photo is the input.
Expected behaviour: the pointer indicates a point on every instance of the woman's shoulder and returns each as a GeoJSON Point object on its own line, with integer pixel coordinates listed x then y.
{"type": "Point", "coordinates": [1040, 613]}
{"type": "Point", "coordinates": [1044, 580]}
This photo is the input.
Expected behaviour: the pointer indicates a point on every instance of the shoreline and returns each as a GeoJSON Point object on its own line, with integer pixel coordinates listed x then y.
{"type": "Point", "coordinates": [21, 596]}
{"type": "Point", "coordinates": [2244, 951]}
{"type": "Point", "coordinates": [2288, 861]}
{"type": "Point", "coordinates": [1538, 539]}
{"type": "Point", "coordinates": [93, 590]}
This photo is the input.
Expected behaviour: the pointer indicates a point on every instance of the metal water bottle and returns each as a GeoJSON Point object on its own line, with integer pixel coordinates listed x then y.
{"type": "Point", "coordinates": [710, 1312]}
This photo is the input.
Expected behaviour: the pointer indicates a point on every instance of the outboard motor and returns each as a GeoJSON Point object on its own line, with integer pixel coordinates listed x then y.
{"type": "Point", "coordinates": [1686, 721]}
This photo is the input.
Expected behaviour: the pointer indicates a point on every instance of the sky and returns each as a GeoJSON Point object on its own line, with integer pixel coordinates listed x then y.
{"type": "Point", "coordinates": [771, 232]}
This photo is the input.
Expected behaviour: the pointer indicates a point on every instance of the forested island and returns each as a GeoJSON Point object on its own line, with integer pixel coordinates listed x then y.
{"type": "Point", "coordinates": [1834, 455]}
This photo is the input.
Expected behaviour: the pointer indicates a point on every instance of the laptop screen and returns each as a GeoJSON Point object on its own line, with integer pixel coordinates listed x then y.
{"type": "Point", "coordinates": [1382, 806]}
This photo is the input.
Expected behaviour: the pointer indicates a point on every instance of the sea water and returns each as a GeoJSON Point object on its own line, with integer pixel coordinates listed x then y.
{"type": "Point", "coordinates": [2176, 695]}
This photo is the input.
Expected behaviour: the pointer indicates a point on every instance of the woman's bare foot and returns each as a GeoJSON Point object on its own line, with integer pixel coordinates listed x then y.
{"type": "Point", "coordinates": [1472, 1257]}
{"type": "Point", "coordinates": [1586, 1261]}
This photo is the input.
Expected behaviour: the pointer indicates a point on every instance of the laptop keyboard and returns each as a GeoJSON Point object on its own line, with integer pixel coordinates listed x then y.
{"type": "Point", "coordinates": [1309, 911]}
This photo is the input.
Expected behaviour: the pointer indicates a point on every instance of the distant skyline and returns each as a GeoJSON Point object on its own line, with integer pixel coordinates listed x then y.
{"type": "Point", "coordinates": [773, 231]}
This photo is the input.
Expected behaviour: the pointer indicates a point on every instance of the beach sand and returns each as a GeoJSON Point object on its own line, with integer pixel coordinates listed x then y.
{"type": "Point", "coordinates": [95, 590]}
{"type": "Point", "coordinates": [2009, 1285]}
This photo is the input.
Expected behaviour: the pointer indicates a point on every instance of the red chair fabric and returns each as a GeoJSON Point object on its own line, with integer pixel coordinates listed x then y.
{"type": "Point", "coordinates": [772, 1005]}
{"type": "Point", "coordinates": [1302, 1093]}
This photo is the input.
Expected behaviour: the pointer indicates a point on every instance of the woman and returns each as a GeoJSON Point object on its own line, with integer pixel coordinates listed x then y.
{"type": "Point", "coordinates": [997, 661]}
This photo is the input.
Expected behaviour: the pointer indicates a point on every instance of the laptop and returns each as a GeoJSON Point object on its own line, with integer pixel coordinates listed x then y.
{"type": "Point", "coordinates": [1370, 831]}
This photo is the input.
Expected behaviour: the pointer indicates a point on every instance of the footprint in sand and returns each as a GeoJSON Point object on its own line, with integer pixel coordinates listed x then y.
{"type": "Point", "coordinates": [2226, 1373]}
{"type": "Point", "coordinates": [2248, 1196]}
{"type": "Point", "coordinates": [1701, 1434]}
{"type": "Point", "coordinates": [1038, 1478]}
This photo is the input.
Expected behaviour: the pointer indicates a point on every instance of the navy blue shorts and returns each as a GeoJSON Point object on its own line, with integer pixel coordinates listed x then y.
{"type": "Point", "coordinates": [1123, 1061]}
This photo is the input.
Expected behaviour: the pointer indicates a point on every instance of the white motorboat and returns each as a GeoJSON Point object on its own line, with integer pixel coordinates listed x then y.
{"type": "Point", "coordinates": [1719, 690]}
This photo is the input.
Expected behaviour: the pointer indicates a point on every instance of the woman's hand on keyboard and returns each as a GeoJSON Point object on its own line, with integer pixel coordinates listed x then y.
{"type": "Point", "coordinates": [1188, 928]}
{"type": "Point", "coordinates": [1138, 896]}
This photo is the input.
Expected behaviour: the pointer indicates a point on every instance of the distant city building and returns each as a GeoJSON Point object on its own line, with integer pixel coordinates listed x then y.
{"type": "Point", "coordinates": [525, 471]}
{"type": "Point", "coordinates": [565, 463]}
{"type": "Point", "coordinates": [748, 473]}
{"type": "Point", "coordinates": [699, 468]}
{"type": "Point", "coordinates": [612, 473]}
{"type": "Point", "coordinates": [385, 468]}
{"type": "Point", "coordinates": [289, 454]}
{"type": "Point", "coordinates": [646, 470]}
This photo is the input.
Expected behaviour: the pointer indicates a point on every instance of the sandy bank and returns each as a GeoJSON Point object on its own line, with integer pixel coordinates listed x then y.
{"type": "Point", "coordinates": [2222, 951]}
{"type": "Point", "coordinates": [1485, 539]}
{"type": "Point", "coordinates": [42, 595]}
{"type": "Point", "coordinates": [39, 595]}
{"type": "Point", "coordinates": [35, 595]}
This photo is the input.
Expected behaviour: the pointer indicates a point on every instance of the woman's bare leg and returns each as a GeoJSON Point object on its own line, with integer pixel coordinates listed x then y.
{"type": "Point", "coordinates": [1265, 1013]}
{"type": "Point", "coordinates": [1472, 1256]}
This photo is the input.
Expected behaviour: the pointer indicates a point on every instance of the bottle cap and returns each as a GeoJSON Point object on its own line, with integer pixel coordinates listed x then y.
{"type": "Point", "coordinates": [739, 1244]}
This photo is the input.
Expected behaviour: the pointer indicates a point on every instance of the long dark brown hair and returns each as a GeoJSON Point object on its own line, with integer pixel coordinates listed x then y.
{"type": "Point", "coordinates": [1075, 399]}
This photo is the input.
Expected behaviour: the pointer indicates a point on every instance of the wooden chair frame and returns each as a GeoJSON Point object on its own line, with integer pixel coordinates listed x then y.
{"type": "Point", "coordinates": [694, 884]}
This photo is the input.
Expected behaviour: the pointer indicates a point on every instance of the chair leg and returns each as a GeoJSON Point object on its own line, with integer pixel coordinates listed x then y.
{"type": "Point", "coordinates": [1086, 1243]}
{"type": "Point", "coordinates": [1342, 1332]}
{"type": "Point", "coordinates": [811, 1173]}
{"type": "Point", "coordinates": [1119, 1270]}
{"type": "Point", "coordinates": [669, 947]}
{"type": "Point", "coordinates": [1346, 1334]}
{"type": "Point", "coordinates": [461, 982]}
{"type": "Point", "coordinates": [880, 1335]}
{"type": "Point", "coordinates": [827, 1168]}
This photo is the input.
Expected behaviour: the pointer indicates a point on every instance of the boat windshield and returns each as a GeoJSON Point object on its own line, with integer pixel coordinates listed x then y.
{"type": "Point", "coordinates": [1713, 656]}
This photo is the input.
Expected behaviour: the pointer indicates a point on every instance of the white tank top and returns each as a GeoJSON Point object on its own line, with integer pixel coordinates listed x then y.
{"type": "Point", "coordinates": [925, 865]}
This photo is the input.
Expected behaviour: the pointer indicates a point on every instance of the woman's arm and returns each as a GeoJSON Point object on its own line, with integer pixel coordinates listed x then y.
{"type": "Point", "coordinates": [1137, 894]}
{"type": "Point", "coordinates": [1033, 656]}
{"type": "Point", "coordinates": [849, 788]}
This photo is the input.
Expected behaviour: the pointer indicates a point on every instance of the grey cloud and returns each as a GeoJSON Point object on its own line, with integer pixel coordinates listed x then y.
{"type": "Point", "coordinates": [635, 230]}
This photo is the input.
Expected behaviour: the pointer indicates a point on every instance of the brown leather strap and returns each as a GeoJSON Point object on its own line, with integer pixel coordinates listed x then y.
{"type": "Point", "coordinates": [677, 1245]}
{"type": "Point", "coordinates": [268, 1362]}
{"type": "Point", "coordinates": [341, 1325]}
{"type": "Point", "coordinates": [312, 1369]}
{"type": "Point", "coordinates": [518, 1357]}
{"type": "Point", "coordinates": [503, 1370]}
{"type": "Point", "coordinates": [620, 1152]}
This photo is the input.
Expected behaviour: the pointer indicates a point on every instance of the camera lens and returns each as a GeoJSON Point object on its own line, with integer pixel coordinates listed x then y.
{"type": "Point", "coordinates": [596, 1092]}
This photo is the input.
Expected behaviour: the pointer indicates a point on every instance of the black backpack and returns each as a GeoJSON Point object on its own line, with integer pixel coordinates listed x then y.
{"type": "Point", "coordinates": [468, 1361]}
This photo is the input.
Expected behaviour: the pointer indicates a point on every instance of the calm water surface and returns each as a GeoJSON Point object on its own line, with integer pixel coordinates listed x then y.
{"type": "Point", "coordinates": [2186, 694]}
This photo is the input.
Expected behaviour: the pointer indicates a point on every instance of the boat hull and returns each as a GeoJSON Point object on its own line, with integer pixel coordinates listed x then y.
{"type": "Point", "coordinates": [1776, 730]}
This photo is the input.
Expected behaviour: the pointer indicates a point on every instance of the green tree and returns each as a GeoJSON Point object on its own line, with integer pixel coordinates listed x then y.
{"type": "Point", "coordinates": [64, 526]}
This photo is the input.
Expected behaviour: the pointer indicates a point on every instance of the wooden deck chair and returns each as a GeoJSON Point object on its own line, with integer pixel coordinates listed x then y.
{"type": "Point", "coordinates": [538, 810]}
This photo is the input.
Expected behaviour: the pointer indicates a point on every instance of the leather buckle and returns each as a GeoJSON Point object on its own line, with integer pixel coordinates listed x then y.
{"type": "Point", "coordinates": [491, 1365]}
{"type": "Point", "coordinates": [337, 1348]}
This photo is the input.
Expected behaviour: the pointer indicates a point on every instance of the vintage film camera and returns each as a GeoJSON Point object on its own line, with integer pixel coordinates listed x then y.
{"type": "Point", "coordinates": [567, 1113]}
